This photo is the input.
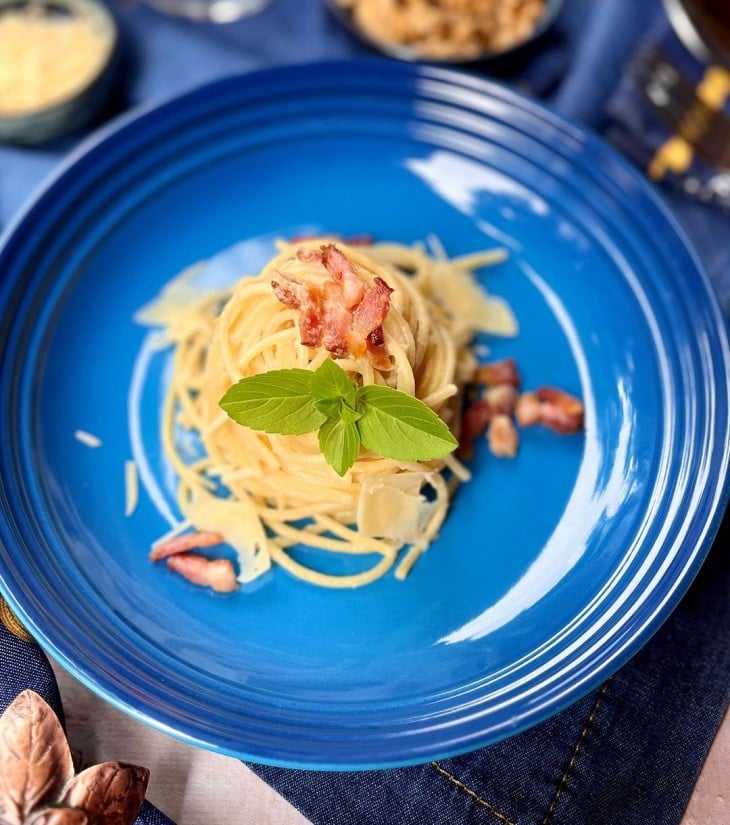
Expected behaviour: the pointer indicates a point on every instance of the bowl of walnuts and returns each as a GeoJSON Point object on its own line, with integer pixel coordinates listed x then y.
{"type": "Point", "coordinates": [446, 31]}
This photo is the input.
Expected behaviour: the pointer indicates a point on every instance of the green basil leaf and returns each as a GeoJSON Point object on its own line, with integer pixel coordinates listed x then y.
{"type": "Point", "coordinates": [398, 426]}
{"type": "Point", "coordinates": [329, 407]}
{"type": "Point", "coordinates": [339, 442]}
{"type": "Point", "coordinates": [348, 414]}
{"type": "Point", "coordinates": [331, 381]}
{"type": "Point", "coordinates": [278, 401]}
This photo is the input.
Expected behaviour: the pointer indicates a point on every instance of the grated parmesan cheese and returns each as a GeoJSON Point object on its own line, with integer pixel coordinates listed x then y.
{"type": "Point", "coordinates": [44, 59]}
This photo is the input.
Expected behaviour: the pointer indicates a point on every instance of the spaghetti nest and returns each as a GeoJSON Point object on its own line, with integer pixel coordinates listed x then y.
{"type": "Point", "coordinates": [266, 493]}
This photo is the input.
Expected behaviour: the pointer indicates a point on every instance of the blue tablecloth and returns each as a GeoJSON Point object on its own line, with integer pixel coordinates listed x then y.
{"type": "Point", "coordinates": [630, 753]}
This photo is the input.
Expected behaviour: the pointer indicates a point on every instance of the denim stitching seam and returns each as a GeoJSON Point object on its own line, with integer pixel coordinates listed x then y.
{"type": "Point", "coordinates": [473, 794]}
{"type": "Point", "coordinates": [574, 756]}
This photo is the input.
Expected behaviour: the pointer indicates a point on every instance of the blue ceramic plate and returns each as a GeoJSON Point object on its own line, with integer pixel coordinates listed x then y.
{"type": "Point", "coordinates": [551, 570]}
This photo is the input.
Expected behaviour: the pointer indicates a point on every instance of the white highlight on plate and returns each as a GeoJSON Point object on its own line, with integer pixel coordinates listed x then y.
{"type": "Point", "coordinates": [568, 543]}
{"type": "Point", "coordinates": [461, 181]}
{"type": "Point", "coordinates": [149, 350]}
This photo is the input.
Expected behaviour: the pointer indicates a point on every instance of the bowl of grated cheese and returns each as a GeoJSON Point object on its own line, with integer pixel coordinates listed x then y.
{"type": "Point", "coordinates": [56, 66]}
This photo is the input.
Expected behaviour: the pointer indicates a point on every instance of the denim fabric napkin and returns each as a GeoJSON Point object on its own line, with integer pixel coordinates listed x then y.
{"type": "Point", "coordinates": [629, 753]}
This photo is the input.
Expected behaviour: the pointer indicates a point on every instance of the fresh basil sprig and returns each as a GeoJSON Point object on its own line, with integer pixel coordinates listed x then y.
{"type": "Point", "coordinates": [297, 401]}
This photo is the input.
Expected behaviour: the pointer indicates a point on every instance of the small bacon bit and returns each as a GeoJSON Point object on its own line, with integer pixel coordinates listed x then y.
{"type": "Point", "coordinates": [498, 372]}
{"type": "Point", "coordinates": [336, 321]}
{"type": "Point", "coordinates": [308, 300]}
{"type": "Point", "coordinates": [502, 436]}
{"type": "Point", "coordinates": [218, 573]}
{"type": "Point", "coordinates": [288, 290]}
{"type": "Point", "coordinates": [497, 400]}
{"type": "Point", "coordinates": [310, 256]}
{"type": "Point", "coordinates": [373, 309]}
{"type": "Point", "coordinates": [558, 410]}
{"type": "Point", "coordinates": [502, 398]}
{"type": "Point", "coordinates": [473, 423]}
{"type": "Point", "coordinates": [527, 409]}
{"type": "Point", "coordinates": [378, 356]}
{"type": "Point", "coordinates": [344, 273]}
{"type": "Point", "coordinates": [370, 313]}
{"type": "Point", "coordinates": [188, 541]}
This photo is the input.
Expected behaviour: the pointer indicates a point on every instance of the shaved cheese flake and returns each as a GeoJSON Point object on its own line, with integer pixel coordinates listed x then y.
{"type": "Point", "coordinates": [89, 439]}
{"type": "Point", "coordinates": [392, 507]}
{"type": "Point", "coordinates": [469, 304]}
{"type": "Point", "coordinates": [131, 487]}
{"type": "Point", "coordinates": [238, 522]}
{"type": "Point", "coordinates": [176, 295]}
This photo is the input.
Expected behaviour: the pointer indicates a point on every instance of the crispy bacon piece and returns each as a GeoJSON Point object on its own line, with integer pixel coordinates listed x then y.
{"type": "Point", "coordinates": [372, 310]}
{"type": "Point", "coordinates": [497, 400]}
{"type": "Point", "coordinates": [346, 315]}
{"type": "Point", "coordinates": [551, 407]}
{"type": "Point", "coordinates": [340, 268]}
{"type": "Point", "coordinates": [502, 436]}
{"type": "Point", "coordinates": [308, 300]}
{"type": "Point", "coordinates": [527, 409]}
{"type": "Point", "coordinates": [366, 334]}
{"type": "Point", "coordinates": [502, 398]}
{"type": "Point", "coordinates": [309, 256]}
{"type": "Point", "coordinates": [498, 372]}
{"type": "Point", "coordinates": [217, 573]}
{"type": "Point", "coordinates": [344, 274]}
{"type": "Point", "coordinates": [336, 321]}
{"type": "Point", "coordinates": [181, 544]}
{"type": "Point", "coordinates": [473, 423]}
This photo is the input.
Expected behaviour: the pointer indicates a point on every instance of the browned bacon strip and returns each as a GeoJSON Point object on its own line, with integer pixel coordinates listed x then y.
{"type": "Point", "coordinates": [288, 290]}
{"type": "Point", "coordinates": [561, 411]}
{"type": "Point", "coordinates": [367, 323]}
{"type": "Point", "coordinates": [336, 321]}
{"type": "Point", "coordinates": [218, 573]}
{"type": "Point", "coordinates": [473, 423]}
{"type": "Point", "coordinates": [308, 300]}
{"type": "Point", "coordinates": [501, 398]}
{"type": "Point", "coordinates": [553, 408]}
{"type": "Point", "coordinates": [310, 256]}
{"type": "Point", "coordinates": [346, 315]}
{"type": "Point", "coordinates": [344, 273]}
{"type": "Point", "coordinates": [188, 541]}
{"type": "Point", "coordinates": [498, 372]}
